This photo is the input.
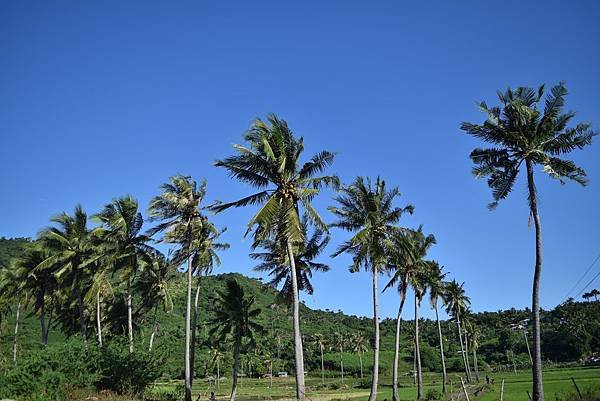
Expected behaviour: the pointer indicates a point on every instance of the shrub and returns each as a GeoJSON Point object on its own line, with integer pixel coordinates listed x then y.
{"type": "Point", "coordinates": [433, 395]}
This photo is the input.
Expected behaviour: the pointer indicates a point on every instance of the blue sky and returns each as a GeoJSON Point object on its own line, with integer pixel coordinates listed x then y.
{"type": "Point", "coordinates": [101, 99]}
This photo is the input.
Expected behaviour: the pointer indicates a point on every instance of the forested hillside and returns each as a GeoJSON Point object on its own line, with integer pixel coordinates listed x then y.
{"type": "Point", "coordinates": [571, 332]}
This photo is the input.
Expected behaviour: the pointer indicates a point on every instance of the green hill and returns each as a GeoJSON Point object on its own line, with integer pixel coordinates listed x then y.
{"type": "Point", "coordinates": [571, 332]}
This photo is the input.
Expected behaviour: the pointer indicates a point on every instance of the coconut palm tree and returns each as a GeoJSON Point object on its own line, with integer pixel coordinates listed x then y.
{"type": "Point", "coordinates": [177, 210]}
{"type": "Point", "coordinates": [38, 284]}
{"type": "Point", "coordinates": [155, 283]}
{"type": "Point", "coordinates": [318, 341]}
{"type": "Point", "coordinates": [456, 304]}
{"type": "Point", "coordinates": [71, 252]}
{"type": "Point", "coordinates": [205, 259]}
{"type": "Point", "coordinates": [359, 346]}
{"type": "Point", "coordinates": [270, 162]}
{"type": "Point", "coordinates": [338, 343]}
{"type": "Point", "coordinates": [474, 335]}
{"type": "Point", "coordinates": [235, 316]}
{"type": "Point", "coordinates": [367, 210]}
{"type": "Point", "coordinates": [127, 248]}
{"type": "Point", "coordinates": [274, 260]}
{"type": "Point", "coordinates": [408, 249]}
{"type": "Point", "coordinates": [524, 135]}
{"type": "Point", "coordinates": [215, 356]}
{"type": "Point", "coordinates": [12, 287]}
{"type": "Point", "coordinates": [101, 286]}
{"type": "Point", "coordinates": [437, 287]}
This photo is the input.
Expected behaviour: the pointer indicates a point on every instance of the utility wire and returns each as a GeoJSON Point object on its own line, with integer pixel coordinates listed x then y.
{"type": "Point", "coordinates": [582, 277]}
{"type": "Point", "coordinates": [588, 284]}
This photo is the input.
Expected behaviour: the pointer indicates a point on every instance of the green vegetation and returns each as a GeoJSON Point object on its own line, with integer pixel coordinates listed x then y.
{"type": "Point", "coordinates": [78, 281]}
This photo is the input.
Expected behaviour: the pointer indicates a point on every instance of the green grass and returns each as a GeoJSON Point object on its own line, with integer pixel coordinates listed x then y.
{"type": "Point", "coordinates": [557, 382]}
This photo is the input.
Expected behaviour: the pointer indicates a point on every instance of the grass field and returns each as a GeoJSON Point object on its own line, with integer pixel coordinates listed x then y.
{"type": "Point", "coordinates": [556, 383]}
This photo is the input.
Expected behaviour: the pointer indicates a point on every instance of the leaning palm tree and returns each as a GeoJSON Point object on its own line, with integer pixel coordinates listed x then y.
{"type": "Point", "coordinates": [177, 210]}
{"type": "Point", "coordinates": [71, 251]}
{"type": "Point", "coordinates": [456, 304]}
{"type": "Point", "coordinates": [368, 211]}
{"type": "Point", "coordinates": [127, 249]}
{"type": "Point", "coordinates": [437, 287]}
{"type": "Point", "coordinates": [318, 340]}
{"type": "Point", "coordinates": [407, 250]}
{"type": "Point", "coordinates": [235, 317]}
{"type": "Point", "coordinates": [270, 162]}
{"type": "Point", "coordinates": [522, 134]}
{"type": "Point", "coordinates": [359, 346]}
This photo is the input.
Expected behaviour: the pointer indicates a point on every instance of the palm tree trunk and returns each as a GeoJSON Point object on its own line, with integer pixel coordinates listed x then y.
{"type": "Point", "coordinates": [462, 348]}
{"type": "Point", "coordinates": [418, 351]}
{"type": "Point", "coordinates": [375, 377]}
{"type": "Point", "coordinates": [48, 326]}
{"type": "Point", "coordinates": [298, 351]}
{"type": "Point", "coordinates": [467, 355]}
{"type": "Point", "coordinates": [129, 316]}
{"type": "Point", "coordinates": [439, 327]}
{"type": "Point", "coordinates": [154, 328]}
{"type": "Point", "coordinates": [81, 318]}
{"type": "Point", "coordinates": [188, 316]}
{"type": "Point", "coordinates": [16, 332]}
{"type": "Point", "coordinates": [218, 374]}
{"type": "Point", "coordinates": [43, 326]}
{"type": "Point", "coordinates": [236, 368]}
{"type": "Point", "coordinates": [194, 329]}
{"type": "Point", "coordinates": [342, 362]}
{"type": "Point", "coordinates": [361, 364]}
{"type": "Point", "coordinates": [528, 349]}
{"type": "Point", "coordinates": [395, 396]}
{"type": "Point", "coordinates": [98, 320]}
{"type": "Point", "coordinates": [538, 387]}
{"type": "Point", "coordinates": [322, 365]}
{"type": "Point", "coordinates": [475, 364]}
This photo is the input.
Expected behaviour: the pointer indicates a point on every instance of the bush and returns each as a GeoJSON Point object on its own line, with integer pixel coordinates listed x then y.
{"type": "Point", "coordinates": [51, 373]}
{"type": "Point", "coordinates": [434, 395]}
{"type": "Point", "coordinates": [165, 394]}
{"type": "Point", "coordinates": [124, 372]}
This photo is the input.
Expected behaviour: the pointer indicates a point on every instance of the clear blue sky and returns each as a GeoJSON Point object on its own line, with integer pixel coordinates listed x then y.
{"type": "Point", "coordinates": [101, 99]}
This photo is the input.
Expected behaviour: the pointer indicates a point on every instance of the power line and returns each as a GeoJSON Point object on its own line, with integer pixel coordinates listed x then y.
{"type": "Point", "coordinates": [582, 277]}
{"type": "Point", "coordinates": [588, 284]}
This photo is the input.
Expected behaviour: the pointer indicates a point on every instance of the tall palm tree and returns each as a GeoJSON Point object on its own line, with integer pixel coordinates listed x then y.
{"type": "Point", "coordinates": [274, 259]}
{"type": "Point", "coordinates": [270, 162]}
{"type": "Point", "coordinates": [71, 251]}
{"type": "Point", "coordinates": [408, 249]}
{"type": "Point", "coordinates": [205, 259]}
{"type": "Point", "coordinates": [235, 316]}
{"type": "Point", "coordinates": [456, 304]}
{"type": "Point", "coordinates": [359, 346]}
{"type": "Point", "coordinates": [318, 340]}
{"type": "Point", "coordinates": [128, 248]}
{"type": "Point", "coordinates": [177, 211]}
{"type": "Point", "coordinates": [368, 211]}
{"type": "Point", "coordinates": [338, 343]}
{"type": "Point", "coordinates": [522, 134]}
{"type": "Point", "coordinates": [437, 287]}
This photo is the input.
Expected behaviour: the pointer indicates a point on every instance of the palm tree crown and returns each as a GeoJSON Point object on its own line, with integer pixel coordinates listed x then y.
{"type": "Point", "coordinates": [521, 132]}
